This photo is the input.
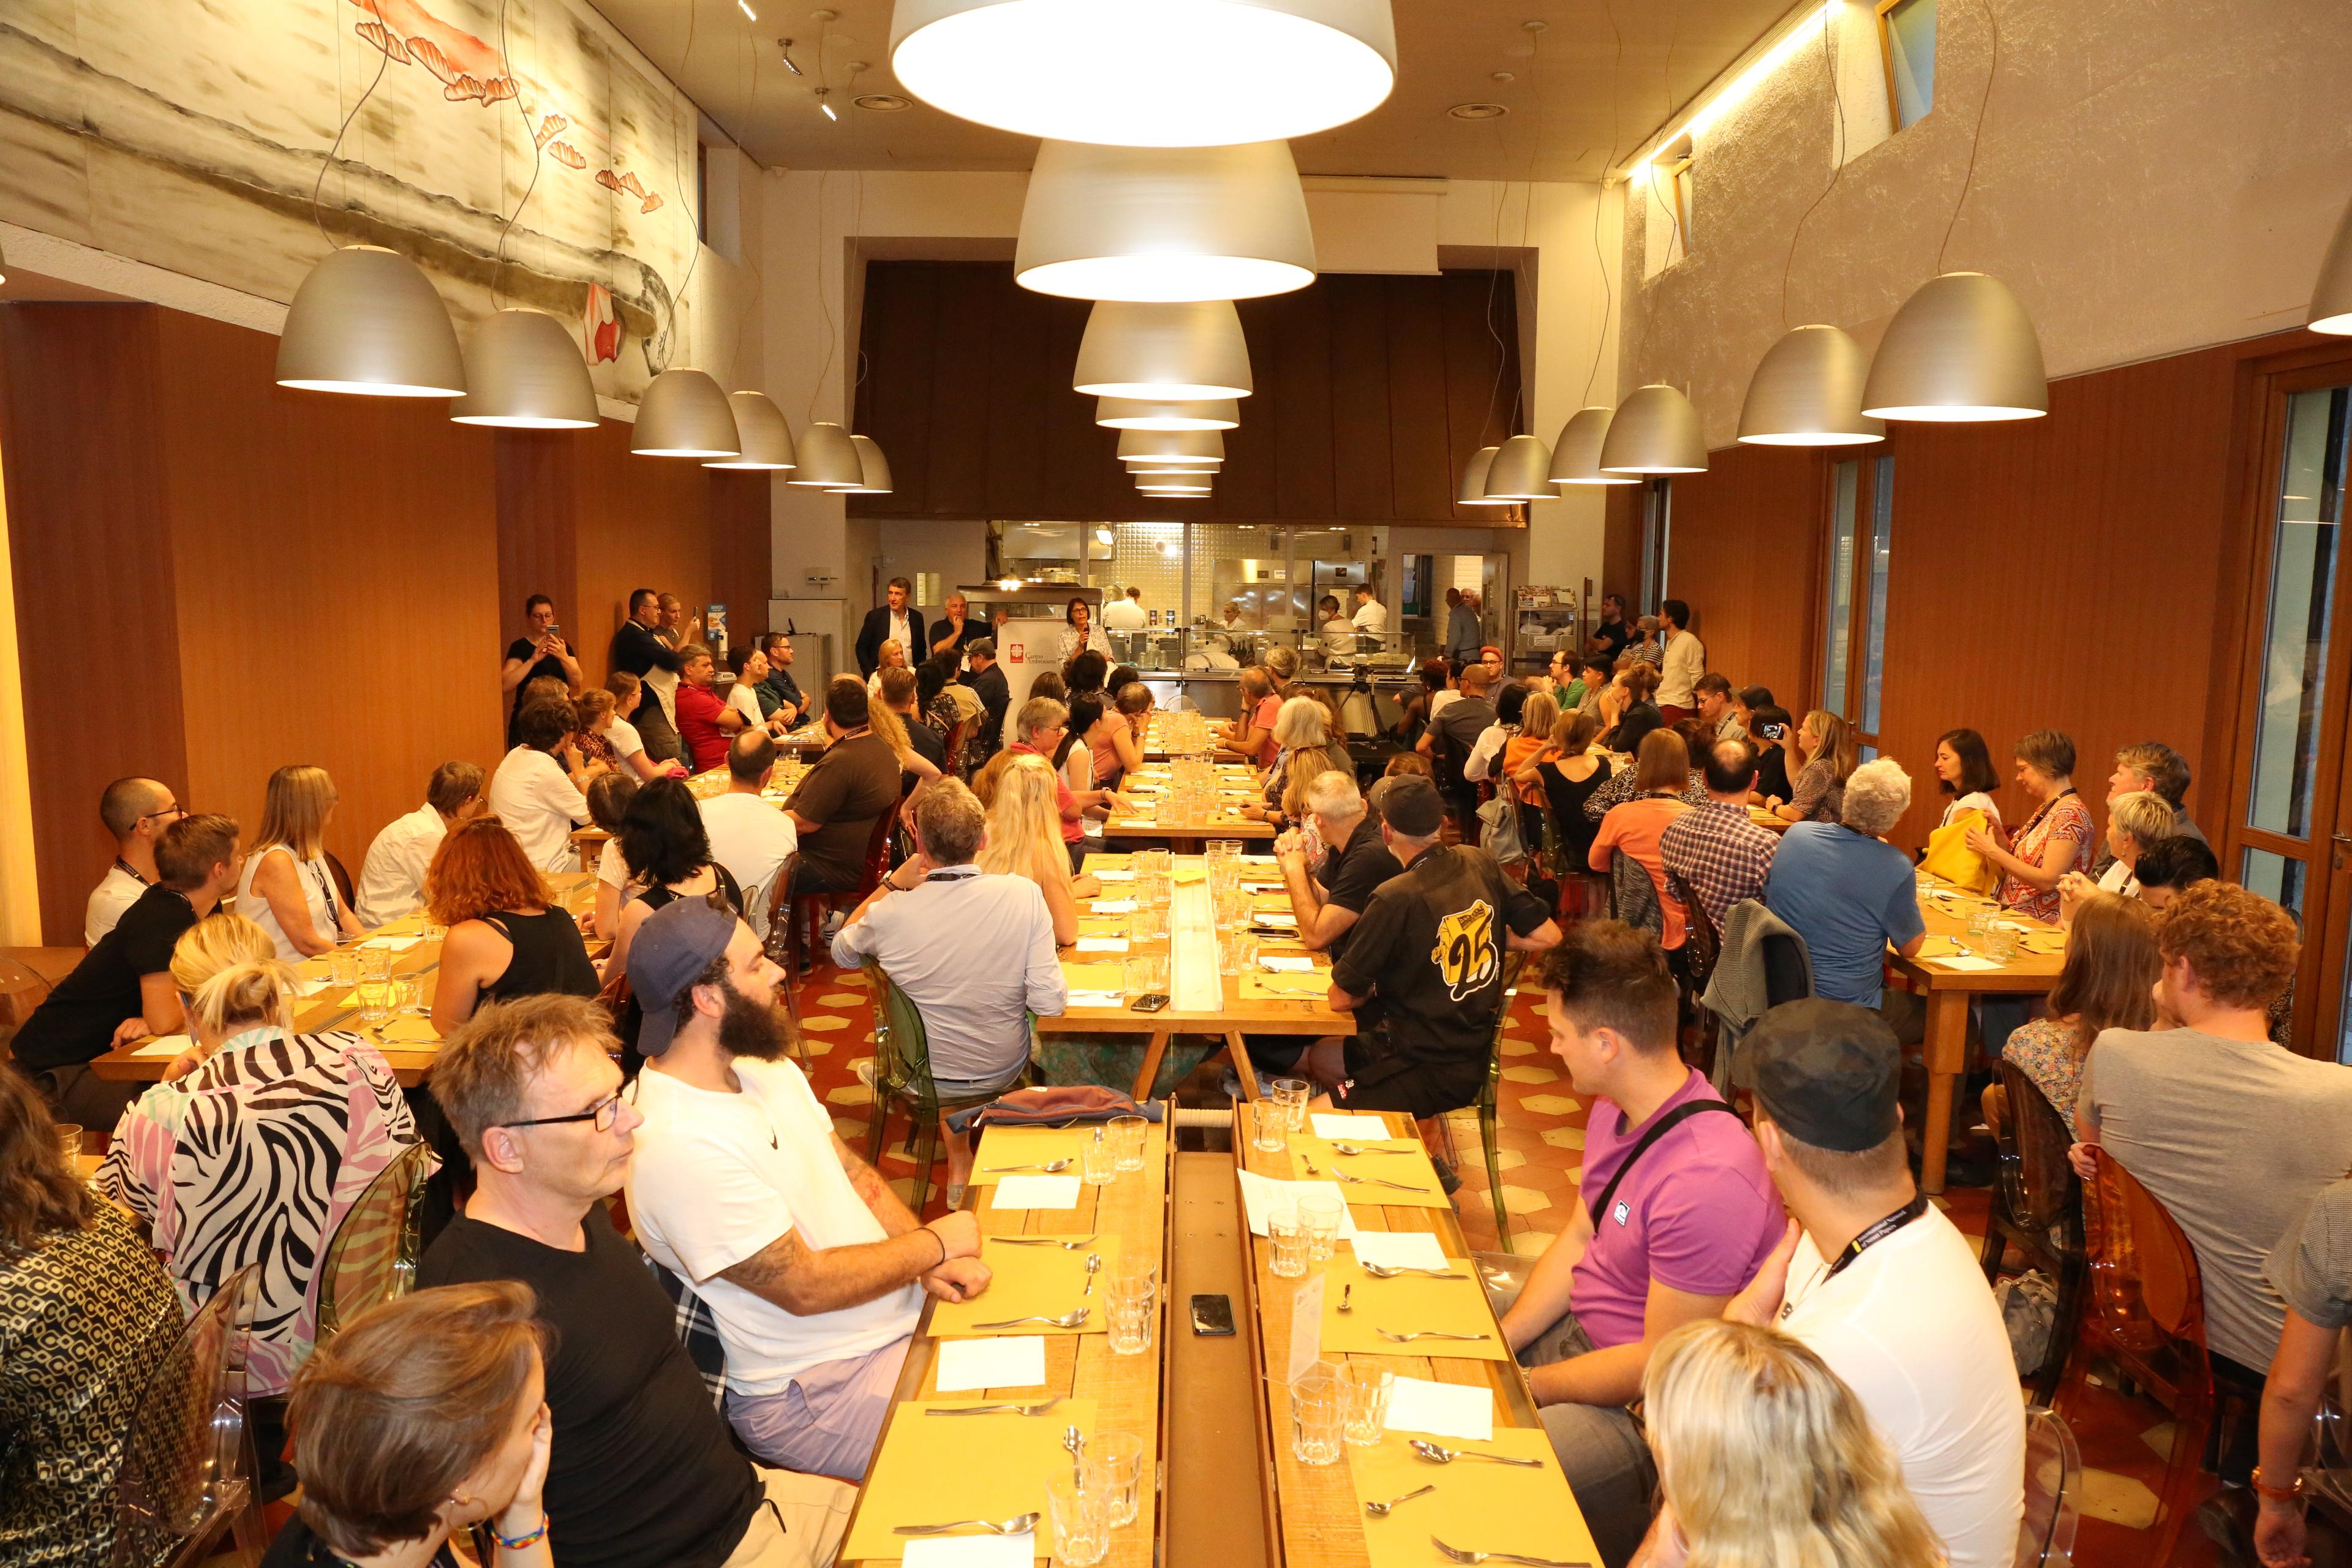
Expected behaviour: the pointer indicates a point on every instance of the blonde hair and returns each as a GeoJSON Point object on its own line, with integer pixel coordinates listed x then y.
{"type": "Point", "coordinates": [892, 729]}
{"type": "Point", "coordinates": [294, 811]}
{"type": "Point", "coordinates": [2144, 814]}
{"type": "Point", "coordinates": [1024, 823]}
{"type": "Point", "coordinates": [1540, 714]}
{"type": "Point", "coordinates": [1837, 743]}
{"type": "Point", "coordinates": [1767, 1458]}
{"type": "Point", "coordinates": [1305, 765]}
{"type": "Point", "coordinates": [228, 969]}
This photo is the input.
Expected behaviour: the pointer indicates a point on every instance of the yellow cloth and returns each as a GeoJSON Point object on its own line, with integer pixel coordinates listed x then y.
{"type": "Point", "coordinates": [1950, 856]}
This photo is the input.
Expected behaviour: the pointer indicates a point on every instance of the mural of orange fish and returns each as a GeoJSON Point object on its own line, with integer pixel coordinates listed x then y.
{"type": "Point", "coordinates": [603, 322]}
{"type": "Point", "coordinates": [564, 154]}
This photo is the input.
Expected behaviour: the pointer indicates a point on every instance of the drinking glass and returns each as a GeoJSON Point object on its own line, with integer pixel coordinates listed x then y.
{"type": "Point", "coordinates": [1113, 1466]}
{"type": "Point", "coordinates": [1080, 1516]}
{"type": "Point", "coordinates": [1153, 862]}
{"type": "Point", "coordinates": [2001, 944]}
{"type": "Point", "coordinates": [1126, 1135]}
{"type": "Point", "coordinates": [1318, 1415]}
{"type": "Point", "coordinates": [1318, 1216]}
{"type": "Point", "coordinates": [1147, 976]}
{"type": "Point", "coordinates": [69, 1140]}
{"type": "Point", "coordinates": [343, 970]}
{"type": "Point", "coordinates": [1290, 1093]}
{"type": "Point", "coordinates": [1980, 927]}
{"type": "Point", "coordinates": [1148, 925]}
{"type": "Point", "coordinates": [1236, 954]}
{"type": "Point", "coordinates": [1286, 1237]}
{"type": "Point", "coordinates": [434, 930]}
{"type": "Point", "coordinates": [1134, 1310]}
{"type": "Point", "coordinates": [1269, 1126]}
{"type": "Point", "coordinates": [1367, 1385]}
{"type": "Point", "coordinates": [1098, 1160]}
{"type": "Point", "coordinates": [376, 999]}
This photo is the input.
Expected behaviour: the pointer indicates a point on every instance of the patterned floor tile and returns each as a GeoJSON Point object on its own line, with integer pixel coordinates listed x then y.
{"type": "Point", "coordinates": [825, 1024]}
{"type": "Point", "coordinates": [844, 999]}
{"type": "Point", "coordinates": [1564, 1137]}
{"type": "Point", "coordinates": [1551, 1104]}
{"type": "Point", "coordinates": [1520, 1200]}
{"type": "Point", "coordinates": [1519, 1047]}
{"type": "Point", "coordinates": [2118, 1500]}
{"type": "Point", "coordinates": [1531, 1075]}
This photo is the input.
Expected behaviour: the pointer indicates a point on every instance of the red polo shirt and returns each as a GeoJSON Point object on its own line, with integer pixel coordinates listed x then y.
{"type": "Point", "coordinates": [698, 725]}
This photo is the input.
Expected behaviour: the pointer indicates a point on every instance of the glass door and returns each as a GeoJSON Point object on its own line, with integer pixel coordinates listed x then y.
{"type": "Point", "coordinates": [1853, 593]}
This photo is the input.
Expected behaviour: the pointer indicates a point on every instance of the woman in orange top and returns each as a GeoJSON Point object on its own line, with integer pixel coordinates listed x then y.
{"type": "Point", "coordinates": [1521, 752]}
{"type": "Point", "coordinates": [1661, 773]}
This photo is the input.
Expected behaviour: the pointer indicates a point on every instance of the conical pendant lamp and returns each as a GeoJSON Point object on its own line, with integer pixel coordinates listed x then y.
{"type": "Point", "coordinates": [1144, 413]}
{"type": "Point", "coordinates": [1807, 391]}
{"type": "Point", "coordinates": [1148, 73]}
{"type": "Point", "coordinates": [825, 458]}
{"type": "Point", "coordinates": [1576, 453]}
{"type": "Point", "coordinates": [1174, 487]}
{"type": "Point", "coordinates": [1518, 470]}
{"type": "Point", "coordinates": [874, 469]}
{"type": "Point", "coordinates": [523, 371]}
{"type": "Point", "coordinates": [367, 321]}
{"type": "Point", "coordinates": [1961, 350]}
{"type": "Point", "coordinates": [685, 414]}
{"type": "Point", "coordinates": [767, 439]}
{"type": "Point", "coordinates": [1654, 431]}
{"type": "Point", "coordinates": [1473, 481]}
{"type": "Point", "coordinates": [1183, 354]}
{"type": "Point", "coordinates": [1164, 223]}
{"type": "Point", "coordinates": [1159, 448]}
{"type": "Point", "coordinates": [2331, 296]}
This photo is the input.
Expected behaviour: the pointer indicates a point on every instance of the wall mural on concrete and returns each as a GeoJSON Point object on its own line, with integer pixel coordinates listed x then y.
{"type": "Point", "coordinates": [192, 136]}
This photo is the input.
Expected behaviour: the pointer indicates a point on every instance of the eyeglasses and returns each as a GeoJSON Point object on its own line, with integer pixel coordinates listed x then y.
{"type": "Point", "coordinates": [601, 1113]}
{"type": "Point", "coordinates": [174, 811]}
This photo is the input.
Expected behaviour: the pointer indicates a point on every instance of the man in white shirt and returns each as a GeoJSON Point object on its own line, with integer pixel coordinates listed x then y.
{"type": "Point", "coordinates": [1683, 661]}
{"type": "Point", "coordinates": [748, 836]}
{"type": "Point", "coordinates": [814, 1270]}
{"type": "Point", "coordinates": [1124, 613]}
{"type": "Point", "coordinates": [136, 811]}
{"type": "Point", "coordinates": [391, 878]}
{"type": "Point", "coordinates": [532, 794]}
{"type": "Point", "coordinates": [1876, 1280]}
{"type": "Point", "coordinates": [1372, 615]}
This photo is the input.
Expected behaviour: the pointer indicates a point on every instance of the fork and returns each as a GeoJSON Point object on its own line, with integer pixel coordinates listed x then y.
{"type": "Point", "coordinates": [1019, 1524]}
{"type": "Point", "coordinates": [1455, 1555]}
{"type": "Point", "coordinates": [1040, 1241]}
{"type": "Point", "coordinates": [1401, 1340]}
{"type": "Point", "coordinates": [1066, 1320]}
{"type": "Point", "coordinates": [1391, 1271]}
{"type": "Point", "coordinates": [1374, 1181]}
{"type": "Point", "coordinates": [1049, 1166]}
{"type": "Point", "coordinates": [993, 1409]}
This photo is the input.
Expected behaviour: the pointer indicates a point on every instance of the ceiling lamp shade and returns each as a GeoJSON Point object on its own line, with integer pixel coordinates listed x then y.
{"type": "Point", "coordinates": [1162, 449]}
{"type": "Point", "coordinates": [523, 371]}
{"type": "Point", "coordinates": [1518, 469]}
{"type": "Point", "coordinates": [873, 468]}
{"type": "Point", "coordinates": [1147, 413]}
{"type": "Point", "coordinates": [2331, 296]}
{"type": "Point", "coordinates": [1654, 431]}
{"type": "Point", "coordinates": [1576, 452]}
{"type": "Point", "coordinates": [1148, 73]}
{"type": "Point", "coordinates": [367, 321]}
{"type": "Point", "coordinates": [1164, 223]}
{"type": "Point", "coordinates": [684, 414]}
{"type": "Point", "coordinates": [1473, 481]}
{"type": "Point", "coordinates": [1807, 391]}
{"type": "Point", "coordinates": [1175, 488]}
{"type": "Point", "coordinates": [760, 424]}
{"type": "Point", "coordinates": [825, 458]}
{"type": "Point", "coordinates": [1961, 350]}
{"type": "Point", "coordinates": [1187, 352]}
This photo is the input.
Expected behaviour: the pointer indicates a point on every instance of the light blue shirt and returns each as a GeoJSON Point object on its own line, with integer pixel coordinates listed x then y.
{"type": "Point", "coordinates": [1849, 896]}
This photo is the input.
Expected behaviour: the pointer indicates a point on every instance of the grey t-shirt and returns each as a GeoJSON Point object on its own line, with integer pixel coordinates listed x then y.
{"type": "Point", "coordinates": [2312, 1268]}
{"type": "Point", "coordinates": [2234, 1139]}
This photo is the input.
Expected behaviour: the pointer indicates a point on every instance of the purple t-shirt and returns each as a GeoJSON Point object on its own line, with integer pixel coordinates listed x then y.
{"type": "Point", "coordinates": [1698, 1214]}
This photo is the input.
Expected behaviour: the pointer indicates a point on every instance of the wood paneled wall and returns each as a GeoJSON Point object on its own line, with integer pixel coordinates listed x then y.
{"type": "Point", "coordinates": [1371, 393]}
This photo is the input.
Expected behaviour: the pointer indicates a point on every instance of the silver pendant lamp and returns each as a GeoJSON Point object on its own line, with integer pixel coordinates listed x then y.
{"type": "Point", "coordinates": [767, 439]}
{"type": "Point", "coordinates": [825, 458]}
{"type": "Point", "coordinates": [1148, 73]}
{"type": "Point", "coordinates": [1473, 491]}
{"type": "Point", "coordinates": [2331, 296]}
{"type": "Point", "coordinates": [1520, 472]}
{"type": "Point", "coordinates": [873, 470]}
{"type": "Point", "coordinates": [1165, 449]}
{"type": "Point", "coordinates": [1148, 413]}
{"type": "Point", "coordinates": [1654, 431]}
{"type": "Point", "coordinates": [1576, 452]}
{"type": "Point", "coordinates": [1164, 223]}
{"type": "Point", "coordinates": [1961, 350]}
{"type": "Point", "coordinates": [523, 371]}
{"type": "Point", "coordinates": [1186, 353]}
{"type": "Point", "coordinates": [366, 321]}
{"type": "Point", "coordinates": [1807, 391]}
{"type": "Point", "coordinates": [685, 414]}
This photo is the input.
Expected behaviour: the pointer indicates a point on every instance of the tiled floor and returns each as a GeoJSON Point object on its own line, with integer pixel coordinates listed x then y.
{"type": "Point", "coordinates": [1541, 1143]}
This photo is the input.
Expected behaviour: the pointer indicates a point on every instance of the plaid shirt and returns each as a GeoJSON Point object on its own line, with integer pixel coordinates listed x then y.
{"type": "Point", "coordinates": [696, 1330]}
{"type": "Point", "coordinates": [1720, 853]}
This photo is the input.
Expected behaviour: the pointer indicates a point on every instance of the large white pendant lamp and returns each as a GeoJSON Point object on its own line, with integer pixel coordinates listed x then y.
{"type": "Point", "coordinates": [1148, 73]}
{"type": "Point", "coordinates": [1518, 471]}
{"type": "Point", "coordinates": [873, 468]}
{"type": "Point", "coordinates": [1961, 350]}
{"type": "Point", "coordinates": [1164, 223]}
{"type": "Point", "coordinates": [825, 458]}
{"type": "Point", "coordinates": [1576, 451]}
{"type": "Point", "coordinates": [1177, 488]}
{"type": "Point", "coordinates": [1473, 491]}
{"type": "Point", "coordinates": [1654, 431]}
{"type": "Point", "coordinates": [760, 424]}
{"type": "Point", "coordinates": [1149, 413]}
{"type": "Point", "coordinates": [523, 371]}
{"type": "Point", "coordinates": [685, 414]}
{"type": "Point", "coordinates": [367, 321]}
{"type": "Point", "coordinates": [1186, 352]}
{"type": "Point", "coordinates": [1807, 391]}
{"type": "Point", "coordinates": [2331, 296]}
{"type": "Point", "coordinates": [1163, 449]}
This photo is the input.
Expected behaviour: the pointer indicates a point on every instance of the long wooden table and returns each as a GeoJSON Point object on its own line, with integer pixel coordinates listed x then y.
{"type": "Point", "coordinates": [1151, 818]}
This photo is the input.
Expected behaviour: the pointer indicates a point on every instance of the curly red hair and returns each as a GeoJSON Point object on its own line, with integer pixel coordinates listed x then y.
{"type": "Point", "coordinates": [2241, 947]}
{"type": "Point", "coordinates": [480, 868]}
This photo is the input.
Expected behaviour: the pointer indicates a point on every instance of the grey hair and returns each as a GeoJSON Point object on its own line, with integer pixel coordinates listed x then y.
{"type": "Point", "coordinates": [2143, 813]}
{"type": "Point", "coordinates": [1334, 794]}
{"type": "Point", "coordinates": [1877, 796]}
{"type": "Point", "coordinates": [1302, 721]}
{"type": "Point", "coordinates": [1040, 713]}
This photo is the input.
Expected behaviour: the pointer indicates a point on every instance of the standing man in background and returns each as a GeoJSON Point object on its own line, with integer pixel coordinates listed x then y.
{"type": "Point", "coordinates": [1462, 634]}
{"type": "Point", "coordinates": [897, 620]}
{"type": "Point", "coordinates": [639, 648]}
{"type": "Point", "coordinates": [1124, 613]}
{"type": "Point", "coordinates": [1371, 616]}
{"type": "Point", "coordinates": [542, 651]}
{"type": "Point", "coordinates": [1612, 634]}
{"type": "Point", "coordinates": [1683, 661]}
{"type": "Point", "coordinates": [955, 632]}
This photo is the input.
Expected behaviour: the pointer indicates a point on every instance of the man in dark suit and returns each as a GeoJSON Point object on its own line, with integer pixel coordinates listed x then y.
{"type": "Point", "coordinates": [988, 681]}
{"type": "Point", "coordinates": [895, 621]}
{"type": "Point", "coordinates": [637, 649]}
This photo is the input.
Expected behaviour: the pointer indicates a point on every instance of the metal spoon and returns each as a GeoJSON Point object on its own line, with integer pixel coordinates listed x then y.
{"type": "Point", "coordinates": [1019, 1524]}
{"type": "Point", "coordinates": [1049, 1166]}
{"type": "Point", "coordinates": [1038, 1409]}
{"type": "Point", "coordinates": [1373, 1182]}
{"type": "Point", "coordinates": [1437, 1455]}
{"type": "Point", "coordinates": [1094, 1266]}
{"type": "Point", "coordinates": [1357, 1149]}
{"type": "Point", "coordinates": [1345, 1291]}
{"type": "Point", "coordinates": [1039, 1241]}
{"type": "Point", "coordinates": [1380, 1510]}
{"type": "Point", "coordinates": [1416, 1334]}
{"type": "Point", "coordinates": [1389, 1271]}
{"type": "Point", "coordinates": [1310, 1165]}
{"type": "Point", "coordinates": [1076, 1442]}
{"type": "Point", "coordinates": [1455, 1555]}
{"type": "Point", "coordinates": [1070, 1320]}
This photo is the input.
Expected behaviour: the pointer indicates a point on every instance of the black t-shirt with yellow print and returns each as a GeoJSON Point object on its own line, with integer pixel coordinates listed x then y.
{"type": "Point", "coordinates": [1430, 945]}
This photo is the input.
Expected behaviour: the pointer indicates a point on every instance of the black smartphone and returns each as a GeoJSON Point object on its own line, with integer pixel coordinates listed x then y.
{"type": "Point", "coordinates": [1212, 1315]}
{"type": "Point", "coordinates": [1151, 1003]}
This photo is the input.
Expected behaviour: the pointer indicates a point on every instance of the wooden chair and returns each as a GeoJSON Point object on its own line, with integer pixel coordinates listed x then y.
{"type": "Point", "coordinates": [590, 843]}
{"type": "Point", "coordinates": [2037, 1207]}
{"type": "Point", "coordinates": [783, 940]}
{"type": "Point", "coordinates": [372, 1255]}
{"type": "Point", "coordinates": [343, 887]}
{"type": "Point", "coordinates": [21, 991]}
{"type": "Point", "coordinates": [902, 1075]}
{"type": "Point", "coordinates": [2053, 1479]}
{"type": "Point", "coordinates": [187, 1456]}
{"type": "Point", "coordinates": [809, 908]}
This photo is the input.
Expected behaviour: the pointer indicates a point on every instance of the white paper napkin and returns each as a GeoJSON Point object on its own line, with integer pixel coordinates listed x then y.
{"type": "Point", "coordinates": [1263, 1195]}
{"type": "Point", "coordinates": [1441, 1409]}
{"type": "Point", "coordinates": [1114, 906]}
{"type": "Point", "coordinates": [1399, 1249]}
{"type": "Point", "coordinates": [1281, 963]}
{"type": "Point", "coordinates": [1334, 1125]}
{"type": "Point", "coordinates": [1097, 999]}
{"type": "Point", "coordinates": [395, 943]}
{"type": "Point", "coordinates": [979, 1551]}
{"type": "Point", "coordinates": [1038, 1192]}
{"type": "Point", "coordinates": [1114, 875]}
{"type": "Point", "coordinates": [1102, 944]}
{"type": "Point", "coordinates": [1966, 961]}
{"type": "Point", "coordinates": [1017, 1362]}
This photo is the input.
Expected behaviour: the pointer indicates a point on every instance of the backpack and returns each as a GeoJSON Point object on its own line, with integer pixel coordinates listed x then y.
{"type": "Point", "coordinates": [1498, 830]}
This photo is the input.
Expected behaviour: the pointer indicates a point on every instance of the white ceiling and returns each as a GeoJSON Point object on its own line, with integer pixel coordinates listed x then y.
{"type": "Point", "coordinates": [1605, 74]}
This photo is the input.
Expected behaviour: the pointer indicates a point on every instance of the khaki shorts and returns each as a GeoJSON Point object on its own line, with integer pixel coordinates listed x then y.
{"type": "Point", "coordinates": [800, 1525]}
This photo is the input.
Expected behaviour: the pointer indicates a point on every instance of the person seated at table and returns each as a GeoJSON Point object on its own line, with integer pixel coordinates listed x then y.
{"type": "Point", "coordinates": [287, 888]}
{"type": "Point", "coordinates": [135, 811]}
{"type": "Point", "coordinates": [1024, 839]}
{"type": "Point", "coordinates": [2056, 839]}
{"type": "Point", "coordinates": [534, 796]}
{"type": "Point", "coordinates": [642, 1471]}
{"type": "Point", "coordinates": [2153, 765]}
{"type": "Point", "coordinates": [391, 878]}
{"type": "Point", "coordinates": [1332, 896]}
{"type": "Point", "coordinates": [922, 752]}
{"type": "Point", "coordinates": [1566, 777]}
{"type": "Point", "coordinates": [1827, 755]}
{"type": "Point", "coordinates": [1593, 674]}
{"type": "Point", "coordinates": [749, 838]}
{"type": "Point", "coordinates": [1401, 762]}
{"type": "Point", "coordinates": [121, 990]}
{"type": "Point", "coordinates": [813, 1270]}
{"type": "Point", "coordinates": [1043, 722]}
{"type": "Point", "coordinates": [987, 682]}
{"type": "Point", "coordinates": [1537, 718]}
{"type": "Point", "coordinates": [1413, 714]}
{"type": "Point", "coordinates": [1876, 1280]}
{"type": "Point", "coordinates": [669, 850]}
{"type": "Point", "coordinates": [1429, 946]}
{"type": "Point", "coordinates": [706, 722]}
{"type": "Point", "coordinates": [1661, 773]}
{"type": "Point", "coordinates": [587, 753]}
{"type": "Point", "coordinates": [1302, 733]}
{"type": "Point", "coordinates": [942, 701]}
{"type": "Point", "coordinates": [1719, 714]}
{"type": "Point", "coordinates": [1674, 1218]}
{"type": "Point", "coordinates": [2311, 1268]}
{"type": "Point", "coordinates": [892, 655]}
{"type": "Point", "coordinates": [508, 936]}
{"type": "Point", "coordinates": [1765, 1455]}
{"type": "Point", "coordinates": [1085, 670]}
{"type": "Point", "coordinates": [86, 1317]}
{"type": "Point", "coordinates": [1115, 742]}
{"type": "Point", "coordinates": [1851, 895]}
{"type": "Point", "coordinates": [1769, 731]}
{"type": "Point", "coordinates": [750, 667]}
{"type": "Point", "coordinates": [1510, 709]}
{"type": "Point", "coordinates": [1964, 772]}
{"type": "Point", "coordinates": [1717, 848]}
{"type": "Point", "coordinates": [2169, 865]}
{"type": "Point", "coordinates": [608, 802]}
{"type": "Point", "coordinates": [1452, 734]}
{"type": "Point", "coordinates": [258, 1152]}
{"type": "Point", "coordinates": [844, 794]}
{"type": "Point", "coordinates": [2110, 973]}
{"type": "Point", "coordinates": [2136, 824]}
{"type": "Point", "coordinates": [621, 735]}
{"type": "Point", "coordinates": [1074, 764]}
{"type": "Point", "coordinates": [1637, 712]}
{"type": "Point", "coordinates": [1250, 737]}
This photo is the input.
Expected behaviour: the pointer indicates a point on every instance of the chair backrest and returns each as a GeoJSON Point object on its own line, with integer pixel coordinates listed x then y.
{"type": "Point", "coordinates": [2053, 1475]}
{"type": "Point", "coordinates": [878, 852]}
{"type": "Point", "coordinates": [2036, 1183]}
{"type": "Point", "coordinates": [2332, 1466]}
{"type": "Point", "coordinates": [902, 1046]}
{"type": "Point", "coordinates": [372, 1255]}
{"type": "Point", "coordinates": [21, 991]}
{"type": "Point", "coordinates": [1702, 944]}
{"type": "Point", "coordinates": [187, 1460]}
{"type": "Point", "coordinates": [780, 900]}
{"type": "Point", "coordinates": [1788, 968]}
{"type": "Point", "coordinates": [2146, 1293]}
{"type": "Point", "coordinates": [1633, 897]}
{"type": "Point", "coordinates": [1488, 1096]}
{"type": "Point", "coordinates": [342, 880]}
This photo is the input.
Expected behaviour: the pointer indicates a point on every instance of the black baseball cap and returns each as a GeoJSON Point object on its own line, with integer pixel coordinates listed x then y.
{"type": "Point", "coordinates": [677, 942]}
{"type": "Point", "coordinates": [1825, 1071]}
{"type": "Point", "coordinates": [1410, 804]}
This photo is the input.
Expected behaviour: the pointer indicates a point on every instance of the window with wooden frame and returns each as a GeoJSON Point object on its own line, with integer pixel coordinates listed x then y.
{"type": "Point", "coordinates": [1854, 592]}
{"type": "Point", "coordinates": [1907, 46]}
{"type": "Point", "coordinates": [1671, 187]}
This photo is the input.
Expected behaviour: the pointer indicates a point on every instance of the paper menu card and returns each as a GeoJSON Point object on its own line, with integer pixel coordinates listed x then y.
{"type": "Point", "coordinates": [1458, 1410]}
{"type": "Point", "coordinates": [932, 1469]}
{"type": "Point", "coordinates": [1045, 1281]}
{"type": "Point", "coordinates": [1475, 1507]}
{"type": "Point", "coordinates": [1263, 1195]}
{"type": "Point", "coordinates": [1355, 1127]}
{"type": "Point", "coordinates": [1003, 1361]}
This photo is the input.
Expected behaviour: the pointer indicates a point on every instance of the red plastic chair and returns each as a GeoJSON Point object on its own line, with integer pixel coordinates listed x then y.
{"type": "Point", "coordinates": [810, 908]}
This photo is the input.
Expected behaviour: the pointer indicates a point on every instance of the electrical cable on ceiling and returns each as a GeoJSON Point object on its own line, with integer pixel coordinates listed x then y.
{"type": "Point", "coordinates": [1976, 137]}
{"type": "Point", "coordinates": [328, 160]}
{"type": "Point", "coordinates": [506, 58]}
{"type": "Point", "coordinates": [1600, 257]}
{"type": "Point", "coordinates": [1837, 166]}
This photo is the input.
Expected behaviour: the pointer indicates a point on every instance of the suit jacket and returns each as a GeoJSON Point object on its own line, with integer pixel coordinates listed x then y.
{"type": "Point", "coordinates": [876, 631]}
{"type": "Point", "coordinates": [638, 650]}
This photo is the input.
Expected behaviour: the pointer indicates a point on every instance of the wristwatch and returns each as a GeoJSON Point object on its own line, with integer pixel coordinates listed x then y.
{"type": "Point", "coordinates": [2277, 1494]}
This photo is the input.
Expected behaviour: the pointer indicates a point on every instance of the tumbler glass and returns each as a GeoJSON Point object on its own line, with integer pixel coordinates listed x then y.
{"type": "Point", "coordinates": [1269, 1126]}
{"type": "Point", "coordinates": [1290, 1093]}
{"type": "Point", "coordinates": [1080, 1516]}
{"type": "Point", "coordinates": [1134, 1313]}
{"type": "Point", "coordinates": [1318, 1415]}
{"type": "Point", "coordinates": [1114, 1466]}
{"type": "Point", "coordinates": [1127, 1134]}
{"type": "Point", "coordinates": [1147, 976]}
{"type": "Point", "coordinates": [1098, 1160]}
{"type": "Point", "coordinates": [1286, 1236]}
{"type": "Point", "coordinates": [1367, 1385]}
{"type": "Point", "coordinates": [1318, 1216]}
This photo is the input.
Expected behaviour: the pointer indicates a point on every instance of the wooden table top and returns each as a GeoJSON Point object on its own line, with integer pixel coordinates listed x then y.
{"type": "Point", "coordinates": [1947, 915]}
{"type": "Point", "coordinates": [1238, 785]}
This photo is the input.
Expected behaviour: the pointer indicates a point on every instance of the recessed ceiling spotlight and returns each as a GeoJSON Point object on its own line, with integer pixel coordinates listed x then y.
{"type": "Point", "coordinates": [1478, 110]}
{"type": "Point", "coordinates": [882, 102]}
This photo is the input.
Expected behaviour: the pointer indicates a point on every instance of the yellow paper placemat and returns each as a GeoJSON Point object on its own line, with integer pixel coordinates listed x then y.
{"type": "Point", "coordinates": [1027, 1146]}
{"type": "Point", "coordinates": [409, 1030]}
{"type": "Point", "coordinates": [1043, 1281]}
{"type": "Point", "coordinates": [1941, 947]}
{"type": "Point", "coordinates": [1408, 1303]}
{"type": "Point", "coordinates": [932, 1469]}
{"type": "Point", "coordinates": [1095, 976]}
{"type": "Point", "coordinates": [1260, 987]}
{"type": "Point", "coordinates": [1189, 870]}
{"type": "Point", "coordinates": [1475, 1506]}
{"type": "Point", "coordinates": [2043, 941]}
{"type": "Point", "coordinates": [1407, 1162]}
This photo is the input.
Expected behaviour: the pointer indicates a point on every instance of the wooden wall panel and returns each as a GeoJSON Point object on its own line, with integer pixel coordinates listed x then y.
{"type": "Point", "coordinates": [641, 522]}
{"type": "Point", "coordinates": [1296, 335]}
{"type": "Point", "coordinates": [538, 551]}
{"type": "Point", "coordinates": [1754, 590]}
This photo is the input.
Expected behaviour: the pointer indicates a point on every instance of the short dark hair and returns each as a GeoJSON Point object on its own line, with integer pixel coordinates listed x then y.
{"type": "Point", "coordinates": [1598, 661]}
{"type": "Point", "coordinates": [899, 583]}
{"type": "Point", "coordinates": [452, 785]}
{"type": "Point", "coordinates": [1678, 609]}
{"type": "Point", "coordinates": [1712, 685]}
{"type": "Point", "coordinates": [980, 647]}
{"type": "Point", "coordinates": [1435, 671]}
{"type": "Point", "coordinates": [1616, 599]}
{"type": "Point", "coordinates": [119, 807]}
{"type": "Point", "coordinates": [1754, 697]}
{"type": "Point", "coordinates": [662, 838]}
{"type": "Point", "coordinates": [1976, 775]}
{"type": "Point", "coordinates": [1730, 766]}
{"type": "Point", "coordinates": [773, 641]}
{"type": "Point", "coordinates": [1771, 721]}
{"type": "Point", "coordinates": [1087, 670]}
{"type": "Point", "coordinates": [1120, 678]}
{"type": "Point", "coordinates": [535, 601]}
{"type": "Point", "coordinates": [2176, 862]}
{"type": "Point", "coordinates": [1511, 703]}
{"type": "Point", "coordinates": [742, 656]}
{"type": "Point", "coordinates": [543, 725]}
{"type": "Point", "coordinates": [639, 595]}
{"type": "Point", "coordinates": [190, 848]}
{"type": "Point", "coordinates": [608, 799]}
{"type": "Point", "coordinates": [751, 757]}
{"type": "Point", "coordinates": [845, 702]}
{"type": "Point", "coordinates": [1608, 975]}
